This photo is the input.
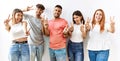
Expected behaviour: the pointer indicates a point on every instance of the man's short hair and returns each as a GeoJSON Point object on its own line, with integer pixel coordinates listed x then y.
{"type": "Point", "coordinates": [59, 6]}
{"type": "Point", "coordinates": [40, 6]}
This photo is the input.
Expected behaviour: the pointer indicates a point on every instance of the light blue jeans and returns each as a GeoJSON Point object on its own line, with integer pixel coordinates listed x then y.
{"type": "Point", "coordinates": [19, 52]}
{"type": "Point", "coordinates": [57, 55]}
{"type": "Point", "coordinates": [36, 52]}
{"type": "Point", "coordinates": [101, 55]}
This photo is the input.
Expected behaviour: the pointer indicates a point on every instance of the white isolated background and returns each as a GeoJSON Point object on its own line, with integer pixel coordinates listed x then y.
{"type": "Point", "coordinates": [87, 7]}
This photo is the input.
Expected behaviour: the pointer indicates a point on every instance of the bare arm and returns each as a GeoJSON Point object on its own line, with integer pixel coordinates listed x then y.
{"type": "Point", "coordinates": [26, 30]}
{"type": "Point", "coordinates": [28, 8]}
{"type": "Point", "coordinates": [83, 30]}
{"type": "Point", "coordinates": [45, 28]}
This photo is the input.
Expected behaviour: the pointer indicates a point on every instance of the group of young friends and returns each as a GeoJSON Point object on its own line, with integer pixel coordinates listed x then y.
{"type": "Point", "coordinates": [28, 42]}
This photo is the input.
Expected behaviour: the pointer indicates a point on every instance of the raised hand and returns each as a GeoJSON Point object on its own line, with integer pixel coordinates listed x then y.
{"type": "Point", "coordinates": [82, 28]}
{"type": "Point", "coordinates": [112, 25]}
{"type": "Point", "coordinates": [28, 8]}
{"type": "Point", "coordinates": [7, 20]}
{"type": "Point", "coordinates": [71, 27]}
{"type": "Point", "coordinates": [87, 24]}
{"type": "Point", "coordinates": [112, 21]}
{"type": "Point", "coordinates": [42, 18]}
{"type": "Point", "coordinates": [45, 23]}
{"type": "Point", "coordinates": [65, 31]}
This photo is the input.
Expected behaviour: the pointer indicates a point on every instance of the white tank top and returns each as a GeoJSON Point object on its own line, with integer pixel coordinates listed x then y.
{"type": "Point", "coordinates": [76, 34]}
{"type": "Point", "coordinates": [17, 31]}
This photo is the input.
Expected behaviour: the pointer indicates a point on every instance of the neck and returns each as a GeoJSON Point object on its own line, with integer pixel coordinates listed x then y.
{"type": "Point", "coordinates": [57, 18]}
{"type": "Point", "coordinates": [38, 16]}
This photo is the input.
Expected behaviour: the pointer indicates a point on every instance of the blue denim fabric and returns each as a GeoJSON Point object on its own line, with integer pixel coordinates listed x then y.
{"type": "Point", "coordinates": [75, 51]}
{"type": "Point", "coordinates": [19, 52]}
{"type": "Point", "coordinates": [57, 55]}
{"type": "Point", "coordinates": [98, 55]}
{"type": "Point", "coordinates": [36, 52]}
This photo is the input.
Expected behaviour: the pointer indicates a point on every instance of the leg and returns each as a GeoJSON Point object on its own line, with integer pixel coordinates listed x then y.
{"type": "Point", "coordinates": [92, 55]}
{"type": "Point", "coordinates": [79, 56]}
{"type": "Point", "coordinates": [103, 55]}
{"type": "Point", "coordinates": [60, 54]}
{"type": "Point", "coordinates": [79, 52]}
{"type": "Point", "coordinates": [14, 53]}
{"type": "Point", "coordinates": [70, 53]}
{"type": "Point", "coordinates": [25, 56]}
{"type": "Point", "coordinates": [40, 51]}
{"type": "Point", "coordinates": [52, 55]}
{"type": "Point", "coordinates": [32, 51]}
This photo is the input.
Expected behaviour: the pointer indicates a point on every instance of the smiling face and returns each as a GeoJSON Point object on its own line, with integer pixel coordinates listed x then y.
{"type": "Point", "coordinates": [98, 16]}
{"type": "Point", "coordinates": [57, 12]}
{"type": "Point", "coordinates": [38, 11]}
{"type": "Point", "coordinates": [18, 17]}
{"type": "Point", "coordinates": [77, 19]}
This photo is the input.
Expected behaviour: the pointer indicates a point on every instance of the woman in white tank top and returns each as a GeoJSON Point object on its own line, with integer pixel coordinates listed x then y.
{"type": "Point", "coordinates": [18, 30]}
{"type": "Point", "coordinates": [77, 34]}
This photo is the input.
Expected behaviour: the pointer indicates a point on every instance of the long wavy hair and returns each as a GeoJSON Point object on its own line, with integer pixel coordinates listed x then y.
{"type": "Point", "coordinates": [13, 15]}
{"type": "Point", "coordinates": [101, 22]}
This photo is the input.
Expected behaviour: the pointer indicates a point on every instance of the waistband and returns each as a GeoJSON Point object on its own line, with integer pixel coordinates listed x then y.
{"type": "Point", "coordinates": [14, 41]}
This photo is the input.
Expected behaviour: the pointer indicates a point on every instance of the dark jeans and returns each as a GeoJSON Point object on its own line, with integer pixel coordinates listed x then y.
{"type": "Point", "coordinates": [75, 51]}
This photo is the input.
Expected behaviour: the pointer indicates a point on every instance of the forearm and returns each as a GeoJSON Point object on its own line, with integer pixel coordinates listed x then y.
{"type": "Point", "coordinates": [46, 31]}
{"type": "Point", "coordinates": [7, 27]}
{"type": "Point", "coordinates": [84, 34]}
{"type": "Point", "coordinates": [112, 29]}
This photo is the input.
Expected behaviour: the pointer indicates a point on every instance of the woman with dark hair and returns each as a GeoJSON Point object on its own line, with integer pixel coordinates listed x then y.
{"type": "Point", "coordinates": [99, 42]}
{"type": "Point", "coordinates": [19, 49]}
{"type": "Point", "coordinates": [77, 34]}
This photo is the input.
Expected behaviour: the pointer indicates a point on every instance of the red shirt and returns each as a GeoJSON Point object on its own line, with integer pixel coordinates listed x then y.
{"type": "Point", "coordinates": [56, 27]}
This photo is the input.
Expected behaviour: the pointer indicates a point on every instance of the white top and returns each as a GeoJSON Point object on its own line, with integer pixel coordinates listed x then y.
{"type": "Point", "coordinates": [99, 41]}
{"type": "Point", "coordinates": [17, 31]}
{"type": "Point", "coordinates": [76, 34]}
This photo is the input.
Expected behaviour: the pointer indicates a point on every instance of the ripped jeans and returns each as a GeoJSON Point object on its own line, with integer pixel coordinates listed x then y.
{"type": "Point", "coordinates": [75, 51]}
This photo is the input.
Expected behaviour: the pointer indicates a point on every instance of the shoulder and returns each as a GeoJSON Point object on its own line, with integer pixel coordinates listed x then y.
{"type": "Point", "coordinates": [24, 22]}
{"type": "Point", "coordinates": [64, 20]}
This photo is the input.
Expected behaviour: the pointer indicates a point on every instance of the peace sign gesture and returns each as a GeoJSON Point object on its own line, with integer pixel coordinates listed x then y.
{"type": "Point", "coordinates": [112, 25]}
{"type": "Point", "coordinates": [87, 24]}
{"type": "Point", "coordinates": [7, 20]}
{"type": "Point", "coordinates": [112, 21]}
{"type": "Point", "coordinates": [45, 22]}
{"type": "Point", "coordinates": [71, 28]}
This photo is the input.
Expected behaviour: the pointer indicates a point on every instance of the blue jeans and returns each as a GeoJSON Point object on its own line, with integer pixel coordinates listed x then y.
{"type": "Point", "coordinates": [98, 55]}
{"type": "Point", "coordinates": [75, 51]}
{"type": "Point", "coordinates": [57, 55]}
{"type": "Point", "coordinates": [19, 51]}
{"type": "Point", "coordinates": [36, 52]}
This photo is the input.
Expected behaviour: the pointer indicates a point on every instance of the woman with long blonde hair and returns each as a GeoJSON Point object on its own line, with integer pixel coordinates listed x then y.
{"type": "Point", "coordinates": [17, 29]}
{"type": "Point", "coordinates": [99, 42]}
